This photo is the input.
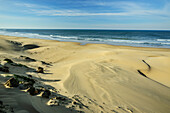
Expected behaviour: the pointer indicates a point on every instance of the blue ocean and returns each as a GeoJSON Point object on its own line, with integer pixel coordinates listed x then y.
{"type": "Point", "coordinates": [137, 38]}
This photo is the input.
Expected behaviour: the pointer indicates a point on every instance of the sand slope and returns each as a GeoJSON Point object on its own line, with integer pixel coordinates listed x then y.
{"type": "Point", "coordinates": [102, 78]}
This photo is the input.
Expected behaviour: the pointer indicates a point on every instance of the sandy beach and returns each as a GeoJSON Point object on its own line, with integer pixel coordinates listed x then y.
{"type": "Point", "coordinates": [91, 78]}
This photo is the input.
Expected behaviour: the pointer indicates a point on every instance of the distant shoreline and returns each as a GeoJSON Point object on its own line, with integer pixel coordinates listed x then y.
{"type": "Point", "coordinates": [84, 43]}
{"type": "Point", "coordinates": [133, 38]}
{"type": "Point", "coordinates": [81, 44]}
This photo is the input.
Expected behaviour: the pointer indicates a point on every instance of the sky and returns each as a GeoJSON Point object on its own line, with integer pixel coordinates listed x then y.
{"type": "Point", "coordinates": [85, 14]}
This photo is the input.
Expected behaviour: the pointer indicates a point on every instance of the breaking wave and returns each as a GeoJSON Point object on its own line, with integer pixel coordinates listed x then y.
{"type": "Point", "coordinates": [107, 37]}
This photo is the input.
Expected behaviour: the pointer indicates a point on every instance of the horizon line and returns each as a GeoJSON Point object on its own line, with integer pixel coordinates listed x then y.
{"type": "Point", "coordinates": [87, 29]}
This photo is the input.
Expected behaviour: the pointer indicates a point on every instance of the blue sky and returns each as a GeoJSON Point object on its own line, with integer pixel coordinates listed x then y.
{"type": "Point", "coordinates": [85, 14]}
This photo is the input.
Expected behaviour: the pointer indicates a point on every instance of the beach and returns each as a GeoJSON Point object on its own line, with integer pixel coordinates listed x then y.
{"type": "Point", "coordinates": [90, 78]}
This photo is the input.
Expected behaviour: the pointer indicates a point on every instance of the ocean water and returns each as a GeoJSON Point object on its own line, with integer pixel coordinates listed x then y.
{"type": "Point", "coordinates": [138, 38]}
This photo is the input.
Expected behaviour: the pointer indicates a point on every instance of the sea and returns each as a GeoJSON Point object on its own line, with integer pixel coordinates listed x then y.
{"type": "Point", "coordinates": [137, 38]}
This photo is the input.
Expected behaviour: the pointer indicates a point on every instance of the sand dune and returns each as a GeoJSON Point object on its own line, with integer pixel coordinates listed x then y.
{"type": "Point", "coordinates": [93, 78]}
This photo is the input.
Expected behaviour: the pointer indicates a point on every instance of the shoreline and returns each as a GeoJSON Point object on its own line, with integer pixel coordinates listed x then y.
{"type": "Point", "coordinates": [89, 78]}
{"type": "Point", "coordinates": [86, 43]}
{"type": "Point", "coordinates": [157, 41]}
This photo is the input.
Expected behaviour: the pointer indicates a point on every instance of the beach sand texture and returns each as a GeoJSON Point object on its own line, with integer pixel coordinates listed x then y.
{"type": "Point", "coordinates": [92, 78]}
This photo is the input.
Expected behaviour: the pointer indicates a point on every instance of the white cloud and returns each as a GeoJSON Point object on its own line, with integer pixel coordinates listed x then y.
{"type": "Point", "coordinates": [73, 13]}
{"type": "Point", "coordinates": [83, 13]}
{"type": "Point", "coordinates": [123, 9]}
{"type": "Point", "coordinates": [28, 5]}
{"type": "Point", "coordinates": [133, 8]}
